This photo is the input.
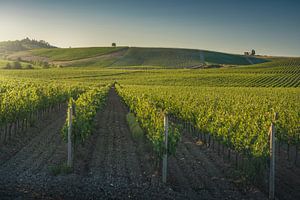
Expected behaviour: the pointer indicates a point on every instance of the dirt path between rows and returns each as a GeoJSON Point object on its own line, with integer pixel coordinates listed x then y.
{"type": "Point", "coordinates": [31, 155]}
{"type": "Point", "coordinates": [111, 165]}
{"type": "Point", "coordinates": [287, 174]}
{"type": "Point", "coordinates": [22, 138]}
{"type": "Point", "coordinates": [199, 174]}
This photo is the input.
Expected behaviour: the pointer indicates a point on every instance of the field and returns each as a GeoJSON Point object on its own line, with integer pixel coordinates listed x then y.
{"type": "Point", "coordinates": [218, 135]}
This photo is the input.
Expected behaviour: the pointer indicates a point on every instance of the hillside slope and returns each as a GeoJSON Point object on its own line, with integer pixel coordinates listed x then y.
{"type": "Point", "coordinates": [168, 57]}
{"type": "Point", "coordinates": [69, 54]}
{"type": "Point", "coordinates": [133, 56]}
{"type": "Point", "coordinates": [76, 57]}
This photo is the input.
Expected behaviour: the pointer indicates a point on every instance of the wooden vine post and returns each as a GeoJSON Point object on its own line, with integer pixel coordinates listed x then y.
{"type": "Point", "coordinates": [165, 156]}
{"type": "Point", "coordinates": [272, 133]}
{"type": "Point", "coordinates": [70, 113]}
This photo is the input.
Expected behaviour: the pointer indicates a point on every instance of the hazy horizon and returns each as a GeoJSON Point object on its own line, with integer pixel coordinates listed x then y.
{"type": "Point", "coordinates": [271, 28]}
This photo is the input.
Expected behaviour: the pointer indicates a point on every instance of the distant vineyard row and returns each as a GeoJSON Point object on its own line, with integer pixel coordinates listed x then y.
{"type": "Point", "coordinates": [259, 76]}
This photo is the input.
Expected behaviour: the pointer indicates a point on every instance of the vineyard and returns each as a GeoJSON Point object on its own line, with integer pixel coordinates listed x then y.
{"type": "Point", "coordinates": [22, 103]}
{"type": "Point", "coordinates": [231, 108]}
{"type": "Point", "coordinates": [228, 113]}
{"type": "Point", "coordinates": [85, 109]}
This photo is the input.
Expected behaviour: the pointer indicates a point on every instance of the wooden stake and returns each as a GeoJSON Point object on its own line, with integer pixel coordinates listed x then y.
{"type": "Point", "coordinates": [165, 156]}
{"type": "Point", "coordinates": [69, 136]}
{"type": "Point", "coordinates": [296, 154]}
{"type": "Point", "coordinates": [272, 163]}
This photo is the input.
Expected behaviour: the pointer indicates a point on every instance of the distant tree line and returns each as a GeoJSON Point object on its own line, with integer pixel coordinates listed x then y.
{"type": "Point", "coordinates": [25, 44]}
{"type": "Point", "coordinates": [32, 43]}
{"type": "Point", "coordinates": [17, 65]}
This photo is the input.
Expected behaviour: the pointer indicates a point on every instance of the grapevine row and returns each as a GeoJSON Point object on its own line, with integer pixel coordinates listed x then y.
{"type": "Point", "coordinates": [22, 103]}
{"type": "Point", "coordinates": [84, 112]}
{"type": "Point", "coordinates": [239, 117]}
{"type": "Point", "coordinates": [151, 119]}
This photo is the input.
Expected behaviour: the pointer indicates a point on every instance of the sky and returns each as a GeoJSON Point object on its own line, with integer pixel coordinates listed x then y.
{"type": "Point", "coordinates": [271, 27]}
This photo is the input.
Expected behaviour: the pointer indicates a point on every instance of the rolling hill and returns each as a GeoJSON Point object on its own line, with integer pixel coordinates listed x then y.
{"type": "Point", "coordinates": [69, 54]}
{"type": "Point", "coordinates": [134, 56]}
{"type": "Point", "coordinates": [181, 58]}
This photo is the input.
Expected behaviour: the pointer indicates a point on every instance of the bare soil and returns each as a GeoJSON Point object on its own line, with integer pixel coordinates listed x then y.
{"type": "Point", "coordinates": [287, 180]}
{"type": "Point", "coordinates": [200, 173]}
{"type": "Point", "coordinates": [287, 170]}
